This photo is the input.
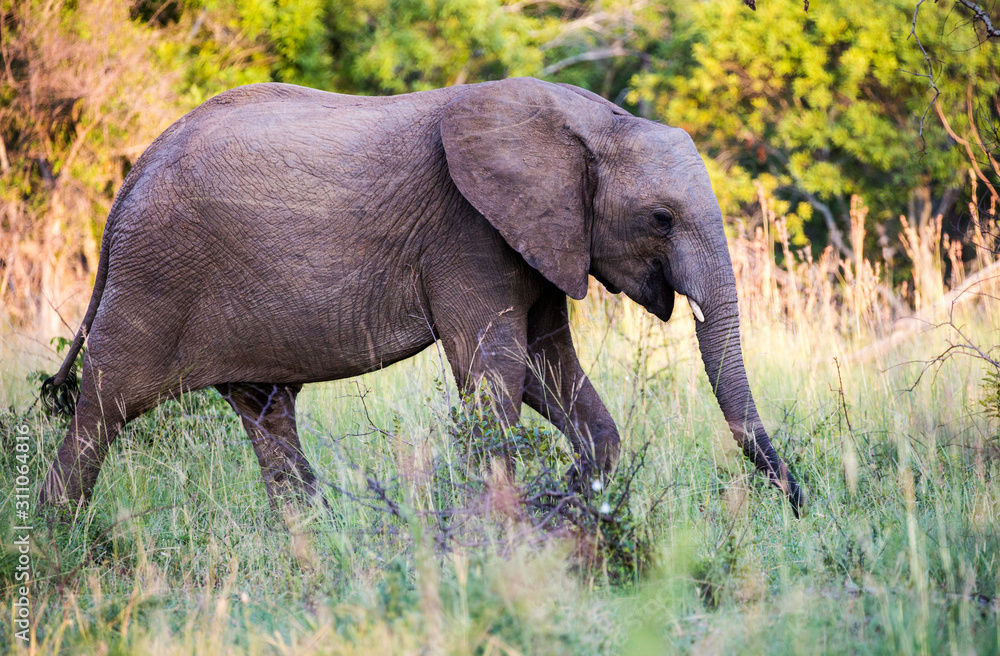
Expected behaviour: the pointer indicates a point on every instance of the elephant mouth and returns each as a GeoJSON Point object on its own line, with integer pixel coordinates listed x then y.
{"type": "Point", "coordinates": [655, 294]}
{"type": "Point", "coordinates": [661, 297]}
{"type": "Point", "coordinates": [665, 307]}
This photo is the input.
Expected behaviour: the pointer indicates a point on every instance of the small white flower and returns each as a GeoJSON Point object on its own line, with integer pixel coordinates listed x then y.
{"type": "Point", "coordinates": [597, 485]}
{"type": "Point", "coordinates": [605, 508]}
{"type": "Point", "coordinates": [244, 597]}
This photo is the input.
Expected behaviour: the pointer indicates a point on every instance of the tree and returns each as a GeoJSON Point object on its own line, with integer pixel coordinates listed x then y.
{"type": "Point", "coordinates": [395, 46]}
{"type": "Point", "coordinates": [81, 95]}
{"type": "Point", "coordinates": [819, 105]}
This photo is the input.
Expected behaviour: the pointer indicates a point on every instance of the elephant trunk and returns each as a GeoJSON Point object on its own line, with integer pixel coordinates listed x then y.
{"type": "Point", "coordinates": [719, 341]}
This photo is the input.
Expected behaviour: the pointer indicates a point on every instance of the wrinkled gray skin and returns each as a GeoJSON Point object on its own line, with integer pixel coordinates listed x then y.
{"type": "Point", "coordinates": [277, 236]}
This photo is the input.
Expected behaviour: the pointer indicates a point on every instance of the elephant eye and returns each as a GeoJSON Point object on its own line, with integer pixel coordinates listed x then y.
{"type": "Point", "coordinates": [664, 218]}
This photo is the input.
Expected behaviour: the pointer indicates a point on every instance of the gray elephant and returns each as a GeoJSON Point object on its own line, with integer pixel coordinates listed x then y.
{"type": "Point", "coordinates": [277, 236]}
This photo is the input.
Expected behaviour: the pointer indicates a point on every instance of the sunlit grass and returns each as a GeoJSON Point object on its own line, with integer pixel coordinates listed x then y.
{"type": "Point", "coordinates": [180, 553]}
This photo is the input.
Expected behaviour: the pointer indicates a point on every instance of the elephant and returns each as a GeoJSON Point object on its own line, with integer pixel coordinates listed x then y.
{"type": "Point", "coordinates": [278, 235]}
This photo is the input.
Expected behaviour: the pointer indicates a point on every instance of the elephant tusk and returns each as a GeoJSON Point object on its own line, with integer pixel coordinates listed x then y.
{"type": "Point", "coordinates": [698, 314]}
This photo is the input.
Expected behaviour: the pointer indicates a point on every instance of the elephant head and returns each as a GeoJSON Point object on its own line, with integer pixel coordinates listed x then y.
{"type": "Point", "coordinates": [578, 186]}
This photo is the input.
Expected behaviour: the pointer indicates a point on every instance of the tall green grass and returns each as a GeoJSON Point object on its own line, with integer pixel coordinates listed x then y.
{"type": "Point", "coordinates": [179, 552]}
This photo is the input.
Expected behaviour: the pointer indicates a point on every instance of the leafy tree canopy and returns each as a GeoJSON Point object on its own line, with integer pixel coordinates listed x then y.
{"type": "Point", "coordinates": [822, 104]}
{"type": "Point", "coordinates": [815, 106]}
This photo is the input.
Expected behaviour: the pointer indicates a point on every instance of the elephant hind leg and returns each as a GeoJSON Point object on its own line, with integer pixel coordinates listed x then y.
{"type": "Point", "coordinates": [268, 414]}
{"type": "Point", "coordinates": [100, 415]}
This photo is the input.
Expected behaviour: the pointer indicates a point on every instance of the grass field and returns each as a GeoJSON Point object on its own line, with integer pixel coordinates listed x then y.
{"type": "Point", "coordinates": [179, 552]}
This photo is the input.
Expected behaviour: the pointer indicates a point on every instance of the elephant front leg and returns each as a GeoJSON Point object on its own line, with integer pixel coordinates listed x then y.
{"type": "Point", "coordinates": [556, 386]}
{"type": "Point", "coordinates": [488, 352]}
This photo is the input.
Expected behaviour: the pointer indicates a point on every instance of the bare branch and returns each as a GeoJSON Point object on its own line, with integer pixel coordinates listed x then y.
{"type": "Point", "coordinates": [615, 50]}
{"type": "Point", "coordinates": [975, 132]}
{"type": "Point", "coordinates": [979, 15]}
{"type": "Point", "coordinates": [929, 75]}
{"type": "Point", "coordinates": [836, 236]}
{"type": "Point", "coordinates": [968, 150]}
{"type": "Point", "coordinates": [907, 326]}
{"type": "Point", "coordinates": [594, 22]}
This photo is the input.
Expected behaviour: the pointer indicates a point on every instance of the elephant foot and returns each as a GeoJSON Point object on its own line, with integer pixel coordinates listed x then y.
{"type": "Point", "coordinates": [295, 499]}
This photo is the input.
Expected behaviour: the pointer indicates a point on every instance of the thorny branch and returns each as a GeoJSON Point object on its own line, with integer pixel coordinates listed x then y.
{"type": "Point", "coordinates": [975, 133]}
{"type": "Point", "coordinates": [978, 15]}
{"type": "Point", "coordinates": [546, 501]}
{"type": "Point", "coordinates": [958, 296]}
{"type": "Point", "coordinates": [962, 346]}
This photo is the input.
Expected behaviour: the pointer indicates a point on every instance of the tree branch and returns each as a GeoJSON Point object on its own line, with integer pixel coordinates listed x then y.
{"type": "Point", "coordinates": [929, 75]}
{"type": "Point", "coordinates": [975, 131]}
{"type": "Point", "coordinates": [616, 50]}
{"type": "Point", "coordinates": [968, 150]}
{"type": "Point", "coordinates": [836, 236]}
{"type": "Point", "coordinates": [979, 14]}
{"type": "Point", "coordinates": [907, 326]}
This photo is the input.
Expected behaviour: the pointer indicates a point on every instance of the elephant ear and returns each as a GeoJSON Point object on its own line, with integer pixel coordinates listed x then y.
{"type": "Point", "coordinates": [517, 150]}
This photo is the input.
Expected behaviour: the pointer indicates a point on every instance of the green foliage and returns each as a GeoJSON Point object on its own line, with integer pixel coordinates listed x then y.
{"type": "Point", "coordinates": [824, 104]}
{"type": "Point", "coordinates": [228, 44]}
{"type": "Point", "coordinates": [815, 106]}
{"type": "Point", "coordinates": [612, 542]}
{"type": "Point", "coordinates": [991, 394]}
{"type": "Point", "coordinates": [394, 46]}
{"type": "Point", "coordinates": [898, 553]}
{"type": "Point", "coordinates": [62, 343]}
{"type": "Point", "coordinates": [357, 46]}
{"type": "Point", "coordinates": [480, 434]}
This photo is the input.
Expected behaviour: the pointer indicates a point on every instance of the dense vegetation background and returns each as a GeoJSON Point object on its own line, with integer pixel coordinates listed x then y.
{"type": "Point", "coordinates": [853, 148]}
{"type": "Point", "coordinates": [813, 106]}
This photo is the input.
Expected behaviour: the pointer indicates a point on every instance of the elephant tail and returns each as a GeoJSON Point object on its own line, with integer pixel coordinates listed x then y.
{"type": "Point", "coordinates": [60, 392]}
